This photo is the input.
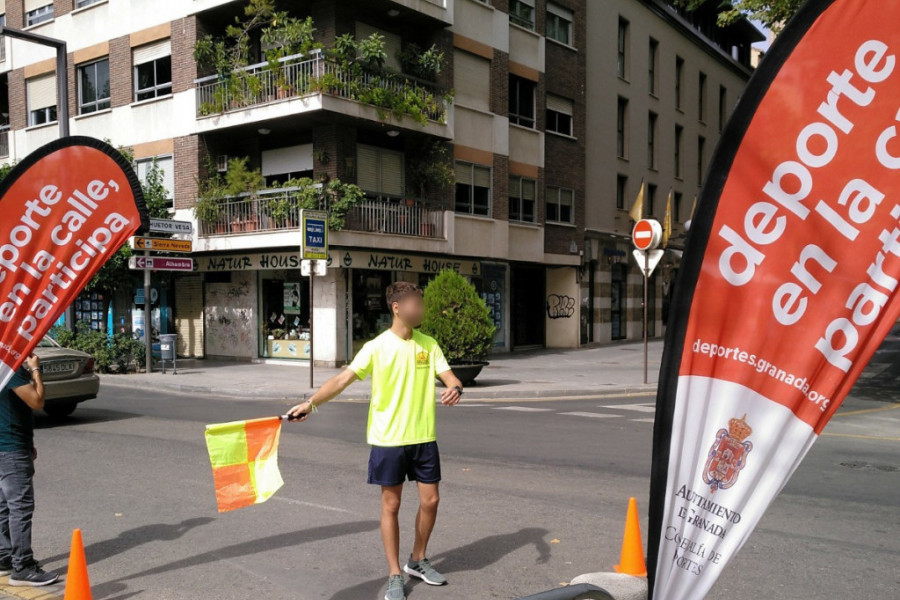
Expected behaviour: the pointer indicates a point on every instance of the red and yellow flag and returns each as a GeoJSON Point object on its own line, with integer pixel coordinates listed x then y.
{"type": "Point", "coordinates": [244, 457]}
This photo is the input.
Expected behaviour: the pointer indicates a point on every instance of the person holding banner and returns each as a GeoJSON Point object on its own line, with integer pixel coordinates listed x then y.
{"type": "Point", "coordinates": [403, 364]}
{"type": "Point", "coordinates": [23, 394]}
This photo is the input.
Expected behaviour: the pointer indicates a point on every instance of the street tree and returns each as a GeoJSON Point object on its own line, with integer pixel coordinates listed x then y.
{"type": "Point", "coordinates": [771, 13]}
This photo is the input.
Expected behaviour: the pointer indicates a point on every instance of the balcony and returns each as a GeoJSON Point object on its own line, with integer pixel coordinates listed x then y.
{"type": "Point", "coordinates": [299, 76]}
{"type": "Point", "coordinates": [279, 210]}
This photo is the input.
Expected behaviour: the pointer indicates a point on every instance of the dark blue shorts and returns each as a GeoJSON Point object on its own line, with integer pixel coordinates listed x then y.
{"type": "Point", "coordinates": [393, 465]}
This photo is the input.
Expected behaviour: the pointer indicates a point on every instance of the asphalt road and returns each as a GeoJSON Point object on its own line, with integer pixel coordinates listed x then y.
{"type": "Point", "coordinates": [534, 494]}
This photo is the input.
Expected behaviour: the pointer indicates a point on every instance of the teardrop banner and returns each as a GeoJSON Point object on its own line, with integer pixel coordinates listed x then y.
{"type": "Point", "coordinates": [788, 285]}
{"type": "Point", "coordinates": [67, 207]}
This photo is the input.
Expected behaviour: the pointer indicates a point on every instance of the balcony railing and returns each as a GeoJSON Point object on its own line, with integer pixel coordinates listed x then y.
{"type": "Point", "coordinates": [279, 210]}
{"type": "Point", "coordinates": [298, 76]}
{"type": "Point", "coordinates": [4, 141]}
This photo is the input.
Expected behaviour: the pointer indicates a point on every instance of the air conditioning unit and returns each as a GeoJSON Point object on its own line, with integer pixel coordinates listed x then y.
{"type": "Point", "coordinates": [222, 163]}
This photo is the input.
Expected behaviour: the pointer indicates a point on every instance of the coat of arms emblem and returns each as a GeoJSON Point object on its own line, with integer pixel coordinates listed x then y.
{"type": "Point", "coordinates": [728, 455]}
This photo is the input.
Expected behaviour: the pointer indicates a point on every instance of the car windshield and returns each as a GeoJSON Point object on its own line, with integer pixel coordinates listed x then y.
{"type": "Point", "coordinates": [47, 342]}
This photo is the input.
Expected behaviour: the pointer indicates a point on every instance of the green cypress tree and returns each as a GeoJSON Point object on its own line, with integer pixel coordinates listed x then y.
{"type": "Point", "coordinates": [457, 317]}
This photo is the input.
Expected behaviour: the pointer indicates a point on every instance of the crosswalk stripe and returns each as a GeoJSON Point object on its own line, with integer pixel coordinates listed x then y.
{"type": "Point", "coordinates": [647, 408]}
{"type": "Point", "coordinates": [592, 415]}
{"type": "Point", "coordinates": [874, 370]}
{"type": "Point", "coordinates": [523, 408]}
{"type": "Point", "coordinates": [644, 420]}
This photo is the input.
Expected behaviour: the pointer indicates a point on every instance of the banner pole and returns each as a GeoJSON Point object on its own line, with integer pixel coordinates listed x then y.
{"type": "Point", "coordinates": [646, 309]}
{"type": "Point", "coordinates": [147, 337]}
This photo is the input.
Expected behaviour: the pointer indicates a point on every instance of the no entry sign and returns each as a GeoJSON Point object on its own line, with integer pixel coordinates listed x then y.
{"type": "Point", "coordinates": [647, 234]}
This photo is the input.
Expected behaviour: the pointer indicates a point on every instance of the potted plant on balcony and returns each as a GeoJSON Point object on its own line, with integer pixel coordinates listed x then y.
{"type": "Point", "coordinates": [457, 317]}
{"type": "Point", "coordinates": [288, 40]}
{"type": "Point", "coordinates": [244, 182]}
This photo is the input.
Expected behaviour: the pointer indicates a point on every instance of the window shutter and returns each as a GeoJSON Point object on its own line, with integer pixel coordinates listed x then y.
{"type": "Point", "coordinates": [31, 5]}
{"type": "Point", "coordinates": [3, 7]}
{"type": "Point", "coordinates": [472, 80]}
{"type": "Point", "coordinates": [292, 159]}
{"type": "Point", "coordinates": [559, 104]}
{"type": "Point", "coordinates": [167, 165]}
{"type": "Point", "coordinates": [560, 11]}
{"type": "Point", "coordinates": [463, 173]}
{"type": "Point", "coordinates": [367, 168]}
{"type": "Point", "coordinates": [151, 52]}
{"type": "Point", "coordinates": [482, 176]}
{"type": "Point", "coordinates": [528, 189]}
{"type": "Point", "coordinates": [391, 173]}
{"type": "Point", "coordinates": [41, 92]}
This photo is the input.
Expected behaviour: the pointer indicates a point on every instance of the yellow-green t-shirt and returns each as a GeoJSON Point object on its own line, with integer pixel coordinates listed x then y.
{"type": "Point", "coordinates": [402, 408]}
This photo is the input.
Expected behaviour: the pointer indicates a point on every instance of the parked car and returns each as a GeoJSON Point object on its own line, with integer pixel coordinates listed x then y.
{"type": "Point", "coordinates": [69, 377]}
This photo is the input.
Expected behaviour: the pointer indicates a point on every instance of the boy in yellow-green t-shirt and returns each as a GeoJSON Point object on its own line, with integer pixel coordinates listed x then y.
{"type": "Point", "coordinates": [403, 364]}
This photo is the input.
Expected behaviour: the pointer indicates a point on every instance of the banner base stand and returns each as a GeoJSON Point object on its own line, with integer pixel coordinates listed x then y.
{"type": "Point", "coordinates": [619, 586]}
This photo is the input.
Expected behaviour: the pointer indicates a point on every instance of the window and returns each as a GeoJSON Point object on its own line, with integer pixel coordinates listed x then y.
{"type": "Point", "coordinates": [679, 135]}
{"type": "Point", "coordinates": [521, 199]}
{"type": "Point", "coordinates": [83, 3]}
{"type": "Point", "coordinates": [41, 99]}
{"type": "Point", "coordinates": [521, 101]}
{"type": "Point", "coordinates": [35, 13]}
{"type": "Point", "coordinates": [621, 190]}
{"type": "Point", "coordinates": [622, 128]}
{"type": "Point", "coordinates": [379, 172]}
{"type": "Point", "coordinates": [473, 189]}
{"type": "Point", "coordinates": [701, 149]}
{"type": "Point", "coordinates": [622, 44]}
{"type": "Point", "coordinates": [676, 207]}
{"type": "Point", "coordinates": [153, 70]}
{"type": "Point", "coordinates": [93, 86]}
{"type": "Point", "coordinates": [652, 60]}
{"type": "Point", "coordinates": [723, 107]}
{"type": "Point", "coordinates": [560, 202]}
{"type": "Point", "coordinates": [651, 140]}
{"type": "Point", "coordinates": [559, 114]}
{"type": "Point", "coordinates": [521, 12]}
{"type": "Point", "coordinates": [651, 200]}
{"type": "Point", "coordinates": [701, 101]}
{"type": "Point", "coordinates": [165, 172]}
{"type": "Point", "coordinates": [471, 80]}
{"type": "Point", "coordinates": [559, 24]}
{"type": "Point", "coordinates": [679, 80]}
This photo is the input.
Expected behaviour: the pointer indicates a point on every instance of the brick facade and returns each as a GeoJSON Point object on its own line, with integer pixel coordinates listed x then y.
{"type": "Point", "coordinates": [120, 72]}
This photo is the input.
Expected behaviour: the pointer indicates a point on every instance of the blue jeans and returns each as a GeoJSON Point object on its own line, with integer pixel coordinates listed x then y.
{"type": "Point", "coordinates": [16, 507]}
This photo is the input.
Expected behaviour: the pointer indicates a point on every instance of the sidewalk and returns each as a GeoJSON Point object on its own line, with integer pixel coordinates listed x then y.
{"type": "Point", "coordinates": [596, 371]}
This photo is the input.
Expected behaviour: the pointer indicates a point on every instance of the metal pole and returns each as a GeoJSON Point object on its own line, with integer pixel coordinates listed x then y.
{"type": "Point", "coordinates": [147, 337]}
{"type": "Point", "coordinates": [646, 309]}
{"type": "Point", "coordinates": [312, 346]}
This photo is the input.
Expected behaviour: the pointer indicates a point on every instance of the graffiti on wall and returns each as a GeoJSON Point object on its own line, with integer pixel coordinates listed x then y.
{"type": "Point", "coordinates": [560, 306]}
{"type": "Point", "coordinates": [229, 319]}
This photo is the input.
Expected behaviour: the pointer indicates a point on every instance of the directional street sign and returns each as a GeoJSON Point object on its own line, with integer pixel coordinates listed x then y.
{"type": "Point", "coordinates": [160, 263]}
{"type": "Point", "coordinates": [315, 235]}
{"type": "Point", "coordinates": [170, 226]}
{"type": "Point", "coordinates": [161, 244]}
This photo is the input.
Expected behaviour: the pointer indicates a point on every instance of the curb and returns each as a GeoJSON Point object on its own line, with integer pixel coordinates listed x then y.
{"type": "Point", "coordinates": [633, 390]}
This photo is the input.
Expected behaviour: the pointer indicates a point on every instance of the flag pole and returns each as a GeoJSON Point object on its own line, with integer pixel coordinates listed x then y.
{"type": "Point", "coordinates": [646, 300]}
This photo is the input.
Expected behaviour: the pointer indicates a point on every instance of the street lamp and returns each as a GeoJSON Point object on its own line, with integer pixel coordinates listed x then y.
{"type": "Point", "coordinates": [62, 88]}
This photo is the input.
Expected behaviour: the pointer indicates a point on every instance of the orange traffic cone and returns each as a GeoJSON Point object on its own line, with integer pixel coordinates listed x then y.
{"type": "Point", "coordinates": [632, 560]}
{"type": "Point", "coordinates": [78, 586]}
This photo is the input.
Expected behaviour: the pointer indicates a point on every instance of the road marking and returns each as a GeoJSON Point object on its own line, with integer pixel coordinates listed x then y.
{"type": "Point", "coordinates": [647, 408]}
{"type": "Point", "coordinates": [592, 415]}
{"type": "Point", "coordinates": [313, 505]}
{"type": "Point", "coordinates": [875, 370]}
{"type": "Point", "coordinates": [644, 420]}
{"type": "Point", "coordinates": [523, 408]}
{"type": "Point", "coordinates": [867, 411]}
{"type": "Point", "coordinates": [855, 436]}
{"type": "Point", "coordinates": [466, 404]}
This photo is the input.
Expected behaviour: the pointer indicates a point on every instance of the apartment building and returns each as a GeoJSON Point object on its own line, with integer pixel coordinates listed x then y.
{"type": "Point", "coordinates": [531, 217]}
{"type": "Point", "coordinates": [507, 107]}
{"type": "Point", "coordinates": [661, 85]}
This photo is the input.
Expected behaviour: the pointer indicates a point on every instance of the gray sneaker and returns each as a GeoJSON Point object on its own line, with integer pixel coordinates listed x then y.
{"type": "Point", "coordinates": [395, 588]}
{"type": "Point", "coordinates": [424, 571]}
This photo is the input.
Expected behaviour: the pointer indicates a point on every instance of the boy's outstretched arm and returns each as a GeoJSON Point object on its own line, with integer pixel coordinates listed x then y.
{"type": "Point", "coordinates": [329, 391]}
